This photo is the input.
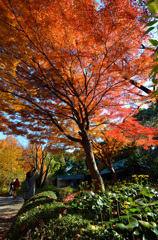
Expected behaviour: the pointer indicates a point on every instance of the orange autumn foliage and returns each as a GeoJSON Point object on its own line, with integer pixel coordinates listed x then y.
{"type": "Point", "coordinates": [35, 156]}
{"type": "Point", "coordinates": [70, 66]}
{"type": "Point", "coordinates": [120, 136]}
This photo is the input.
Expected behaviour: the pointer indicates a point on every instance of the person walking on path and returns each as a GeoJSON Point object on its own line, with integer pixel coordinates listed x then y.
{"type": "Point", "coordinates": [15, 187]}
{"type": "Point", "coordinates": [31, 176]}
{"type": "Point", "coordinates": [11, 191]}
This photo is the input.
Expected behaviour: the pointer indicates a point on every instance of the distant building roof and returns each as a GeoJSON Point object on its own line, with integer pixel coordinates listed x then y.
{"type": "Point", "coordinates": [69, 177]}
{"type": "Point", "coordinates": [117, 166]}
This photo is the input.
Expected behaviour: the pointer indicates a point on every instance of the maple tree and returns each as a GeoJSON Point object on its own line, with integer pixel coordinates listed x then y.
{"type": "Point", "coordinates": [10, 164]}
{"type": "Point", "coordinates": [36, 156]}
{"type": "Point", "coordinates": [113, 141]}
{"type": "Point", "coordinates": [119, 137]}
{"type": "Point", "coordinates": [68, 67]}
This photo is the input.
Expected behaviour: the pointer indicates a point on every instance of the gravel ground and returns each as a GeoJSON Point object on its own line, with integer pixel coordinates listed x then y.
{"type": "Point", "coordinates": [8, 210]}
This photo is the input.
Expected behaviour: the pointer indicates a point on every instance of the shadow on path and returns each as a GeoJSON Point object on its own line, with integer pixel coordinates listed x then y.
{"type": "Point", "coordinates": [8, 211]}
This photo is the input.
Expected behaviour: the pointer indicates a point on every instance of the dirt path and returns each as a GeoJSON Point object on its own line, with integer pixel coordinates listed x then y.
{"type": "Point", "coordinates": [8, 210]}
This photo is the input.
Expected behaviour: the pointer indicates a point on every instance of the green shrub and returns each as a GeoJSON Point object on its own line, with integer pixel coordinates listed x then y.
{"type": "Point", "coordinates": [29, 218]}
{"type": "Point", "coordinates": [38, 199]}
{"type": "Point", "coordinates": [125, 212]}
{"type": "Point", "coordinates": [65, 227]}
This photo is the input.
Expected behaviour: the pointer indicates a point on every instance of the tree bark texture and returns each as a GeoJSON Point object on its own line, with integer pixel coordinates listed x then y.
{"type": "Point", "coordinates": [91, 163]}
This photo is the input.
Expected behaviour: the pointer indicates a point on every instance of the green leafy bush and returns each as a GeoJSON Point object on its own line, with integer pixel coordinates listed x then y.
{"type": "Point", "coordinates": [35, 212]}
{"type": "Point", "coordinates": [127, 211]}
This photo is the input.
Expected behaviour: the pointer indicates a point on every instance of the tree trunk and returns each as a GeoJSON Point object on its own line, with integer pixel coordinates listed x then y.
{"type": "Point", "coordinates": [92, 167]}
{"type": "Point", "coordinates": [150, 164]}
{"type": "Point", "coordinates": [45, 176]}
{"type": "Point", "coordinates": [39, 179]}
{"type": "Point", "coordinates": [114, 176]}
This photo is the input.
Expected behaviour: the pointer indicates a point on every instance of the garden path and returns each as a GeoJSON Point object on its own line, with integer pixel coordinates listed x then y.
{"type": "Point", "coordinates": [8, 211]}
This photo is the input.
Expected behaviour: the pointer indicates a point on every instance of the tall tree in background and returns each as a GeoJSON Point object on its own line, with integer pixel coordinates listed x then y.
{"type": "Point", "coordinates": [75, 162]}
{"type": "Point", "coordinates": [68, 67]}
{"type": "Point", "coordinates": [122, 136]}
{"type": "Point", "coordinates": [10, 164]}
{"type": "Point", "coordinates": [68, 163]}
{"type": "Point", "coordinates": [36, 156]}
{"type": "Point", "coordinates": [113, 141]}
{"type": "Point", "coordinates": [148, 117]}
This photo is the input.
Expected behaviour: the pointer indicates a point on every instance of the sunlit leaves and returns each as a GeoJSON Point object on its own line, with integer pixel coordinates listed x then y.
{"type": "Point", "coordinates": [153, 8]}
{"type": "Point", "coordinates": [74, 61]}
{"type": "Point", "coordinates": [10, 160]}
{"type": "Point", "coordinates": [153, 42]}
{"type": "Point", "coordinates": [67, 67]}
{"type": "Point", "coordinates": [36, 156]}
{"type": "Point", "coordinates": [109, 143]}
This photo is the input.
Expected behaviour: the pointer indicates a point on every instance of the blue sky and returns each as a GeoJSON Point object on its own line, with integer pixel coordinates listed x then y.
{"type": "Point", "coordinates": [22, 140]}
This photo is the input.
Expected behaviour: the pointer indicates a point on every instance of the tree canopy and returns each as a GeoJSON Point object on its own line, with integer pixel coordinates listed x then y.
{"type": "Point", "coordinates": [68, 67]}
